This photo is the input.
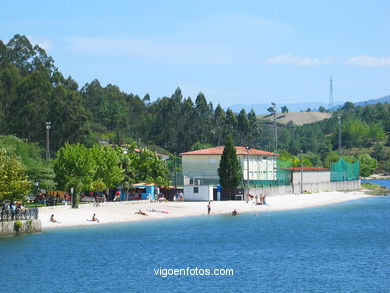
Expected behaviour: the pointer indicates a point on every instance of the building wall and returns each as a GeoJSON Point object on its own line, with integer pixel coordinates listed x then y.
{"type": "Point", "coordinates": [311, 177]}
{"type": "Point", "coordinates": [206, 167]}
{"type": "Point", "coordinates": [260, 168]}
{"type": "Point", "coordinates": [309, 187]}
{"type": "Point", "coordinates": [205, 193]}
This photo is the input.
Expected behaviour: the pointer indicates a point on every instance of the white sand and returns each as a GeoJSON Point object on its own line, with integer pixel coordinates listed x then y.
{"type": "Point", "coordinates": [125, 211]}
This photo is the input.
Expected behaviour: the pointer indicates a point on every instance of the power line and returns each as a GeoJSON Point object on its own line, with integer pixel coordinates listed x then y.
{"type": "Point", "coordinates": [331, 94]}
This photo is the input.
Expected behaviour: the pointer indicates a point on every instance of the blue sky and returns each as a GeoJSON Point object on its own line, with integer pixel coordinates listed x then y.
{"type": "Point", "coordinates": [242, 52]}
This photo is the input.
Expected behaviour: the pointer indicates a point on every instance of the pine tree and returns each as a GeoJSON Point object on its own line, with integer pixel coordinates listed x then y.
{"type": "Point", "coordinates": [229, 170]}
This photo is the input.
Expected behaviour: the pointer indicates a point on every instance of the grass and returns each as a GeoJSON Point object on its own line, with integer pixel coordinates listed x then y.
{"type": "Point", "coordinates": [374, 189]}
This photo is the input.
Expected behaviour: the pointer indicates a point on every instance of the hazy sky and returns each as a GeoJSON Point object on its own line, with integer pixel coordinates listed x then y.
{"type": "Point", "coordinates": [233, 51]}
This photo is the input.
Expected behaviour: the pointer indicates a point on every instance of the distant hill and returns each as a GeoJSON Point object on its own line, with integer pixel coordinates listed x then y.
{"type": "Point", "coordinates": [292, 107]}
{"type": "Point", "coordinates": [297, 107]}
{"type": "Point", "coordinates": [383, 100]}
{"type": "Point", "coordinates": [298, 118]}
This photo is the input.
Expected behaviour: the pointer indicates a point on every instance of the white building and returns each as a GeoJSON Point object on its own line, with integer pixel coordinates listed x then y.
{"type": "Point", "coordinates": [200, 168]}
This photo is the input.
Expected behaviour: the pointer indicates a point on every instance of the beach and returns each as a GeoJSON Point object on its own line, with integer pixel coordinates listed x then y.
{"type": "Point", "coordinates": [116, 212]}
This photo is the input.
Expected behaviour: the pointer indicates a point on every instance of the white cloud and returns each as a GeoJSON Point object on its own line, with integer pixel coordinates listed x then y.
{"type": "Point", "coordinates": [298, 60]}
{"type": "Point", "coordinates": [159, 50]}
{"type": "Point", "coordinates": [42, 41]}
{"type": "Point", "coordinates": [365, 60]}
{"type": "Point", "coordinates": [221, 39]}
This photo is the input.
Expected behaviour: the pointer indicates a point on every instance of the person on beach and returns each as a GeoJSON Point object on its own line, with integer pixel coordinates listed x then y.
{"type": "Point", "coordinates": [208, 208]}
{"type": "Point", "coordinates": [52, 219]}
{"type": "Point", "coordinates": [234, 212]}
{"type": "Point", "coordinates": [94, 218]}
{"type": "Point", "coordinates": [141, 213]}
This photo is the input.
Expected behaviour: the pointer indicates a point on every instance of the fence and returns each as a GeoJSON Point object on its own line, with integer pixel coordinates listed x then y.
{"type": "Point", "coordinates": [7, 215]}
{"type": "Point", "coordinates": [344, 171]}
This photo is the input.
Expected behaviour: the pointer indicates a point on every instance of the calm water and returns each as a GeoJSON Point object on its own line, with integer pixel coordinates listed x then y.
{"type": "Point", "coordinates": [338, 248]}
{"type": "Point", "coordinates": [385, 183]}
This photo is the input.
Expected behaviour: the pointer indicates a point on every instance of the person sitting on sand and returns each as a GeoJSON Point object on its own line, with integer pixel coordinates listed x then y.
{"type": "Point", "coordinates": [52, 219]}
{"type": "Point", "coordinates": [94, 218]}
{"type": "Point", "coordinates": [234, 212]}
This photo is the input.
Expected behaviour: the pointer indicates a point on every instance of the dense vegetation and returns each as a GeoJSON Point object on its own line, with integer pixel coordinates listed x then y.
{"type": "Point", "coordinates": [33, 91]}
{"type": "Point", "coordinates": [364, 131]}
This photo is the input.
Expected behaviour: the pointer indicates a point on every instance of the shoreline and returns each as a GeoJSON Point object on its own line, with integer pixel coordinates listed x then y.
{"type": "Point", "coordinates": [377, 177]}
{"type": "Point", "coordinates": [121, 212]}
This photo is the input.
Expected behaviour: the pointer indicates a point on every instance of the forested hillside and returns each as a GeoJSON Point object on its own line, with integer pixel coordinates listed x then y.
{"type": "Point", "coordinates": [364, 129]}
{"type": "Point", "coordinates": [33, 91]}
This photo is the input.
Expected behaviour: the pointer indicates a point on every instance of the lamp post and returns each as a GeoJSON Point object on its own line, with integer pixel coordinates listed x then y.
{"type": "Point", "coordinates": [174, 168]}
{"type": "Point", "coordinates": [48, 126]}
{"type": "Point", "coordinates": [301, 171]}
{"type": "Point", "coordinates": [247, 168]}
{"type": "Point", "coordinates": [36, 185]}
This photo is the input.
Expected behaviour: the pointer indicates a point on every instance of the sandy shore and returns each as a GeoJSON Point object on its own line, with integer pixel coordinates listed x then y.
{"type": "Point", "coordinates": [126, 211]}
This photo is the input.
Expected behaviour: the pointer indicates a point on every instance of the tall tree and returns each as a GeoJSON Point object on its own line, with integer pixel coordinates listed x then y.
{"type": "Point", "coordinates": [229, 170]}
{"type": "Point", "coordinates": [219, 123]}
{"type": "Point", "coordinates": [243, 129]}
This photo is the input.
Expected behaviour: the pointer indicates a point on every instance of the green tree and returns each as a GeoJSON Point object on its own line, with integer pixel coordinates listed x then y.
{"type": "Point", "coordinates": [284, 110]}
{"type": "Point", "coordinates": [219, 124]}
{"type": "Point", "coordinates": [199, 146]}
{"type": "Point", "coordinates": [108, 169]}
{"type": "Point", "coordinates": [14, 184]}
{"type": "Point", "coordinates": [30, 155]}
{"type": "Point", "coordinates": [367, 164]}
{"type": "Point", "coordinates": [243, 129]}
{"type": "Point", "coordinates": [75, 167]}
{"type": "Point", "coordinates": [229, 170]}
{"type": "Point", "coordinates": [322, 109]}
{"type": "Point", "coordinates": [332, 157]}
{"type": "Point", "coordinates": [145, 166]}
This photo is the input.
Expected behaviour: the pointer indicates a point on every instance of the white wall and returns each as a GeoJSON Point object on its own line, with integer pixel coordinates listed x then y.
{"type": "Point", "coordinates": [205, 193]}
{"type": "Point", "coordinates": [206, 166]}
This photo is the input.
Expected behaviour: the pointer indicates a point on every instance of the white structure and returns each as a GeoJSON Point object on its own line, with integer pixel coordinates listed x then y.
{"type": "Point", "coordinates": [200, 168]}
{"type": "Point", "coordinates": [198, 193]}
{"type": "Point", "coordinates": [314, 179]}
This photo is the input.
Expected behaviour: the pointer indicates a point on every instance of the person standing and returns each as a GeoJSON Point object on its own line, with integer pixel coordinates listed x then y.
{"type": "Point", "coordinates": [208, 208]}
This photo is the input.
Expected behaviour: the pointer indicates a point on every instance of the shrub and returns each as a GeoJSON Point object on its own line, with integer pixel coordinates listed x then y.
{"type": "Point", "coordinates": [17, 225]}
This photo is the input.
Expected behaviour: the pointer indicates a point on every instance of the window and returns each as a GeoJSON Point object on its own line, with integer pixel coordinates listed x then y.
{"type": "Point", "coordinates": [196, 189]}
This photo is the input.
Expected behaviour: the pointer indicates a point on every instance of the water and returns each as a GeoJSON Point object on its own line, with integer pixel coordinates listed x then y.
{"type": "Point", "coordinates": [385, 183]}
{"type": "Point", "coordinates": [338, 248]}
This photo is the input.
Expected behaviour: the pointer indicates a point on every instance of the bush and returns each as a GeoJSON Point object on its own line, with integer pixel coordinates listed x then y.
{"type": "Point", "coordinates": [17, 225]}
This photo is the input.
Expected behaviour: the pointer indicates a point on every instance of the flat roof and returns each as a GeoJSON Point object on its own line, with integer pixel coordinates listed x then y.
{"type": "Point", "coordinates": [307, 169]}
{"type": "Point", "coordinates": [240, 150]}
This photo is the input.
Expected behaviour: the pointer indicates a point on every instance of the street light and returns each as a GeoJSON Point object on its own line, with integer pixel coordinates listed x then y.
{"type": "Point", "coordinates": [48, 126]}
{"type": "Point", "coordinates": [301, 171]}
{"type": "Point", "coordinates": [36, 185]}
{"type": "Point", "coordinates": [174, 168]}
{"type": "Point", "coordinates": [247, 167]}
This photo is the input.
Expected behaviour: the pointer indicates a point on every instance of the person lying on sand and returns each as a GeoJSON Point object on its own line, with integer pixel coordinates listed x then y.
{"type": "Point", "coordinates": [157, 211]}
{"type": "Point", "coordinates": [94, 218]}
{"type": "Point", "coordinates": [141, 213]}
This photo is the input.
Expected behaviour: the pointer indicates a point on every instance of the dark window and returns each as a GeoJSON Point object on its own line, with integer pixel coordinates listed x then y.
{"type": "Point", "coordinates": [196, 189]}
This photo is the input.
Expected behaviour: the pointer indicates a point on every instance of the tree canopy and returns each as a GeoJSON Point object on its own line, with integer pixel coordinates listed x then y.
{"type": "Point", "coordinates": [229, 170]}
{"type": "Point", "coordinates": [14, 184]}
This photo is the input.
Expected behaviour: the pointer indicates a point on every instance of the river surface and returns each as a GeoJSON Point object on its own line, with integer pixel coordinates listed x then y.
{"type": "Point", "coordinates": [337, 248]}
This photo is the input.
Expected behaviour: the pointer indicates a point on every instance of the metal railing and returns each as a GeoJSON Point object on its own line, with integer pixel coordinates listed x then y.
{"type": "Point", "coordinates": [7, 215]}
